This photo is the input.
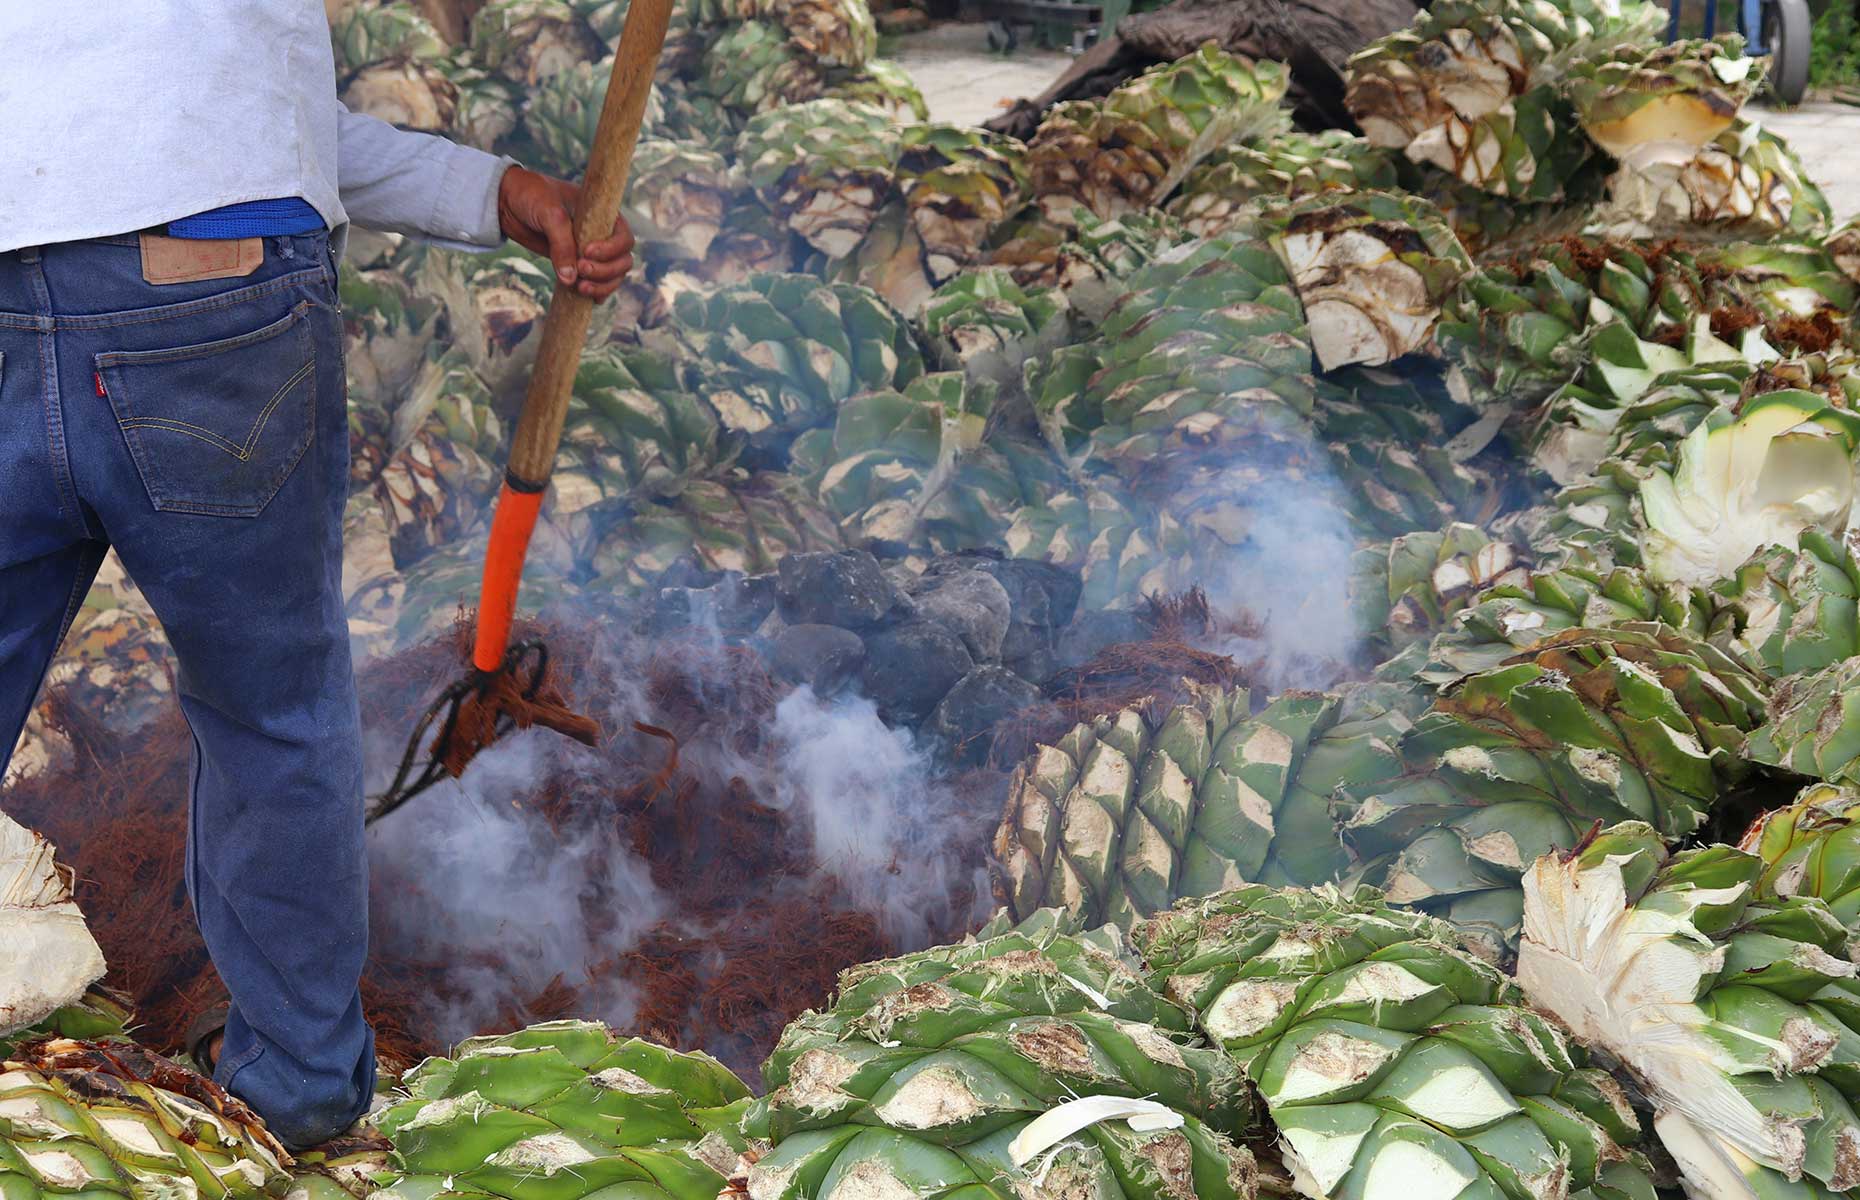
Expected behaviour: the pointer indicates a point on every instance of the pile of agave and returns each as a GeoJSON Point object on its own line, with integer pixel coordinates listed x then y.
{"type": "Point", "coordinates": [1677, 1019]}
{"type": "Point", "coordinates": [1565, 339]}
{"type": "Point", "coordinates": [855, 327]}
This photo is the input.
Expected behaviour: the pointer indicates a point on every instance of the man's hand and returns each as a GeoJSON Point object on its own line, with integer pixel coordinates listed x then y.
{"type": "Point", "coordinates": [538, 213]}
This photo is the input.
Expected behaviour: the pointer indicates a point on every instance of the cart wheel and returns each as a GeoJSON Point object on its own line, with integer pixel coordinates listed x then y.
{"type": "Point", "coordinates": [1786, 34]}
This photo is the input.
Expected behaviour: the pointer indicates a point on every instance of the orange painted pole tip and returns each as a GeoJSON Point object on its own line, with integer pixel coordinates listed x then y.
{"type": "Point", "coordinates": [511, 528]}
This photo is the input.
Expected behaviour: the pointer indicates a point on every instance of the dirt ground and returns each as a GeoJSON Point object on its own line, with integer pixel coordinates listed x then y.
{"type": "Point", "coordinates": [965, 82]}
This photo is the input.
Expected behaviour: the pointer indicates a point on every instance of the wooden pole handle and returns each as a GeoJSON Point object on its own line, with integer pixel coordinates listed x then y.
{"type": "Point", "coordinates": [565, 332]}
{"type": "Point", "coordinates": [565, 328]}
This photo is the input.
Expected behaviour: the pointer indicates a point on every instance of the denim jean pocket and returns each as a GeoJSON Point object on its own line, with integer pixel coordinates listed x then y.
{"type": "Point", "coordinates": [217, 428]}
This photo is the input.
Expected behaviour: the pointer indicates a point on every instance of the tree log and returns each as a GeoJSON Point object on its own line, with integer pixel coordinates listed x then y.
{"type": "Point", "coordinates": [1314, 37]}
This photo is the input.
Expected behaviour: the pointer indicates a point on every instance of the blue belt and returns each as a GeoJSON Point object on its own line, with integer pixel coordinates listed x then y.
{"type": "Point", "coordinates": [255, 218]}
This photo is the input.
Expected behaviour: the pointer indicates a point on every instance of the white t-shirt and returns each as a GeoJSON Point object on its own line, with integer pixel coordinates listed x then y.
{"type": "Point", "coordinates": [119, 115]}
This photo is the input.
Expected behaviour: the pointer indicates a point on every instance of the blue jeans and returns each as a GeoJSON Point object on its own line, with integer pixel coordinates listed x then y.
{"type": "Point", "coordinates": [199, 428]}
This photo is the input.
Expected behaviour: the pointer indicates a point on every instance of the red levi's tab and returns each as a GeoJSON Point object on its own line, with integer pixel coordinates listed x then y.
{"type": "Point", "coordinates": [98, 376]}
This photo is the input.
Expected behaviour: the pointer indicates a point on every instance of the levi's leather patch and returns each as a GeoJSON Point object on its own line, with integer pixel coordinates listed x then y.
{"type": "Point", "coordinates": [188, 260]}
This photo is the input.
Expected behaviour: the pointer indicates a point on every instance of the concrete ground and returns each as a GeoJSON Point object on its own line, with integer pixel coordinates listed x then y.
{"type": "Point", "coordinates": [965, 82]}
{"type": "Point", "coordinates": [1827, 137]}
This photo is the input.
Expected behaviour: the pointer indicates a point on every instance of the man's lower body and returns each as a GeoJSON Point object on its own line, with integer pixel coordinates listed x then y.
{"type": "Point", "coordinates": [199, 428]}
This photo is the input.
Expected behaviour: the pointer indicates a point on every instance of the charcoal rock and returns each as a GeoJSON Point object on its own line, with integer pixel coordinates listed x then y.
{"type": "Point", "coordinates": [686, 571]}
{"type": "Point", "coordinates": [972, 604]}
{"type": "Point", "coordinates": [1094, 631]}
{"type": "Point", "coordinates": [1042, 594]}
{"type": "Point", "coordinates": [909, 667]}
{"type": "Point", "coordinates": [846, 588]}
{"type": "Point", "coordinates": [967, 715]}
{"type": "Point", "coordinates": [1045, 596]}
{"type": "Point", "coordinates": [1031, 659]}
{"type": "Point", "coordinates": [823, 657]}
{"type": "Point", "coordinates": [735, 605]}
{"type": "Point", "coordinates": [1042, 599]}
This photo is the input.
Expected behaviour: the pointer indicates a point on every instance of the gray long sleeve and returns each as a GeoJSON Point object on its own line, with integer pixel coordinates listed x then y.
{"type": "Point", "coordinates": [397, 181]}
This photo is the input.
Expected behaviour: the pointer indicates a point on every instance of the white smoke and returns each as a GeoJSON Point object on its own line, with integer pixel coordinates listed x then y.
{"type": "Point", "coordinates": [1293, 574]}
{"type": "Point", "coordinates": [474, 880]}
{"type": "Point", "coordinates": [489, 887]}
{"type": "Point", "coordinates": [882, 822]}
